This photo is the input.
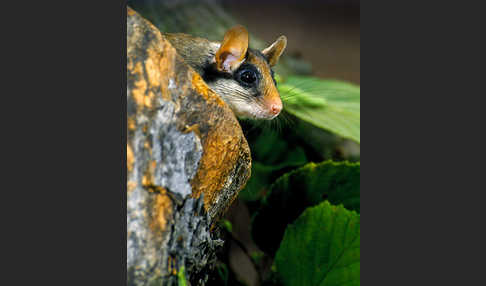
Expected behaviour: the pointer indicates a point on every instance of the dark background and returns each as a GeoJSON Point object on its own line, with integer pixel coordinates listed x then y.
{"type": "Point", "coordinates": [324, 33]}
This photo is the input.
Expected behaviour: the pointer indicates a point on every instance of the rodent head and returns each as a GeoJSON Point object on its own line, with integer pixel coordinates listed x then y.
{"type": "Point", "coordinates": [243, 77]}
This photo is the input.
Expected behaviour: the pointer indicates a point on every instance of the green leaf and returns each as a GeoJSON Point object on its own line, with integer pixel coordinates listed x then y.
{"type": "Point", "coordinates": [261, 178]}
{"type": "Point", "coordinates": [223, 272]}
{"type": "Point", "coordinates": [271, 154]}
{"type": "Point", "coordinates": [262, 175]}
{"type": "Point", "coordinates": [257, 257]}
{"type": "Point", "coordinates": [328, 104]}
{"type": "Point", "coordinates": [271, 149]}
{"type": "Point", "coordinates": [226, 224]}
{"type": "Point", "coordinates": [338, 182]}
{"type": "Point", "coordinates": [322, 248]}
{"type": "Point", "coordinates": [182, 277]}
{"type": "Point", "coordinates": [291, 194]}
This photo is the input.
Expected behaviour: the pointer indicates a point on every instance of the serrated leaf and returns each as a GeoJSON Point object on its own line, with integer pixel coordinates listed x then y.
{"type": "Point", "coordinates": [292, 193]}
{"type": "Point", "coordinates": [328, 104]}
{"type": "Point", "coordinates": [322, 248]}
{"type": "Point", "coordinates": [339, 182]}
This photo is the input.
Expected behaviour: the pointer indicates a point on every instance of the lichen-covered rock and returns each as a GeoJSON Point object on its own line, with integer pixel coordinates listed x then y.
{"type": "Point", "coordinates": [187, 159]}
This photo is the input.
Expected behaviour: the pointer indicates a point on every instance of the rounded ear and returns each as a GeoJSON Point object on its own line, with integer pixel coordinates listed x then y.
{"type": "Point", "coordinates": [275, 50]}
{"type": "Point", "coordinates": [232, 51]}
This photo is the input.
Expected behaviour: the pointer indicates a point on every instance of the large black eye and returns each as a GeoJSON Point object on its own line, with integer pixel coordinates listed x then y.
{"type": "Point", "coordinates": [248, 76]}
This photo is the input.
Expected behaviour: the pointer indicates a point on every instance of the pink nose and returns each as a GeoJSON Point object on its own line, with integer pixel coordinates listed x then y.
{"type": "Point", "coordinates": [275, 108]}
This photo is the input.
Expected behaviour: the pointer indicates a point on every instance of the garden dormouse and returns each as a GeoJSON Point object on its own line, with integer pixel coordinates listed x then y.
{"type": "Point", "coordinates": [240, 75]}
